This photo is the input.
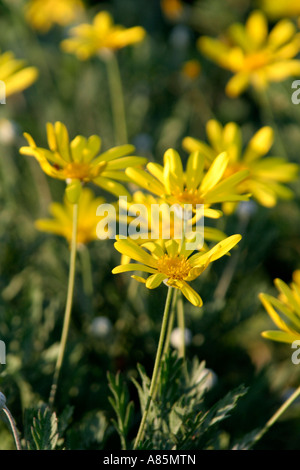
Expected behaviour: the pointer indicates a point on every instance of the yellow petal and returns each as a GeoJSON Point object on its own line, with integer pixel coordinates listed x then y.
{"type": "Point", "coordinates": [259, 144]}
{"type": "Point", "coordinates": [257, 28]}
{"type": "Point", "coordinates": [215, 172]}
{"type": "Point", "coordinates": [112, 187]}
{"type": "Point", "coordinates": [125, 162]}
{"type": "Point", "coordinates": [115, 152]}
{"type": "Point", "coordinates": [190, 294]}
{"type": "Point", "coordinates": [226, 188]}
{"type": "Point", "coordinates": [232, 139]}
{"type": "Point", "coordinates": [139, 279]}
{"type": "Point", "coordinates": [285, 310]}
{"type": "Point", "coordinates": [62, 139]}
{"type": "Point", "coordinates": [21, 80]}
{"type": "Point", "coordinates": [215, 49]}
{"type": "Point", "coordinates": [276, 168]}
{"type": "Point", "coordinates": [193, 145]}
{"type": "Point", "coordinates": [172, 247]}
{"type": "Point", "coordinates": [155, 280]}
{"type": "Point", "coordinates": [131, 249]}
{"type": "Point", "coordinates": [173, 171]}
{"type": "Point", "coordinates": [194, 170]}
{"type": "Point", "coordinates": [280, 336]}
{"type": "Point", "coordinates": [282, 32]}
{"type": "Point", "coordinates": [274, 315]}
{"type": "Point", "coordinates": [263, 193]}
{"type": "Point", "coordinates": [284, 288]}
{"type": "Point", "coordinates": [156, 170]}
{"type": "Point", "coordinates": [123, 268]}
{"type": "Point", "coordinates": [214, 131]}
{"type": "Point", "coordinates": [237, 84]}
{"type": "Point", "coordinates": [219, 250]}
{"type": "Point", "coordinates": [280, 71]}
{"type": "Point", "coordinates": [146, 181]}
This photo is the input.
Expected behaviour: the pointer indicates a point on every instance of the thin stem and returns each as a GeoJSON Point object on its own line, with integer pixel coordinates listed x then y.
{"type": "Point", "coordinates": [155, 374]}
{"type": "Point", "coordinates": [117, 98]}
{"type": "Point", "coordinates": [86, 270]}
{"type": "Point", "coordinates": [275, 416]}
{"type": "Point", "coordinates": [13, 427]}
{"type": "Point", "coordinates": [68, 308]}
{"type": "Point", "coordinates": [181, 325]}
{"type": "Point", "coordinates": [171, 322]}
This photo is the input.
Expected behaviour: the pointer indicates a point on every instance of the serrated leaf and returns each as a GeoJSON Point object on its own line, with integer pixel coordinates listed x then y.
{"type": "Point", "coordinates": [121, 405]}
{"type": "Point", "coordinates": [44, 430]}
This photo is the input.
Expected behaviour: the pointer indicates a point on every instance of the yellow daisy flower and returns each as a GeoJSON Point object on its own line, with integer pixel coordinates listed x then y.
{"type": "Point", "coordinates": [140, 211]}
{"type": "Point", "coordinates": [193, 186]}
{"type": "Point", "coordinates": [62, 221]}
{"type": "Point", "coordinates": [171, 263]}
{"type": "Point", "coordinates": [255, 56]}
{"type": "Point", "coordinates": [43, 14]}
{"type": "Point", "coordinates": [79, 161]}
{"type": "Point", "coordinates": [101, 36]}
{"type": "Point", "coordinates": [266, 175]}
{"type": "Point", "coordinates": [15, 75]}
{"type": "Point", "coordinates": [284, 310]}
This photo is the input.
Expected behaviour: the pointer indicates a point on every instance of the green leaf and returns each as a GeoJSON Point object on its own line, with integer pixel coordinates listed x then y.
{"type": "Point", "coordinates": [122, 407]}
{"type": "Point", "coordinates": [43, 430]}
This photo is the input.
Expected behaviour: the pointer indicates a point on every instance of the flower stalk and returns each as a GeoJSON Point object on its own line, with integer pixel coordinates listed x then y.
{"type": "Point", "coordinates": [159, 354]}
{"type": "Point", "coordinates": [117, 98]}
{"type": "Point", "coordinates": [11, 421]}
{"type": "Point", "coordinates": [68, 308]}
{"type": "Point", "coordinates": [276, 416]}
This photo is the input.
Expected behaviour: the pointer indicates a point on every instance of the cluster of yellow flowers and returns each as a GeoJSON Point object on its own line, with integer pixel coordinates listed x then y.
{"type": "Point", "coordinates": [222, 172]}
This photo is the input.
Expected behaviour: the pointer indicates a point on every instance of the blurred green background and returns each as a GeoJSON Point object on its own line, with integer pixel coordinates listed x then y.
{"type": "Point", "coordinates": [163, 105]}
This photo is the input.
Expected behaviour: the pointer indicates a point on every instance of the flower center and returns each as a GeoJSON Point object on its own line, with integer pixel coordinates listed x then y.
{"type": "Point", "coordinates": [256, 60]}
{"type": "Point", "coordinates": [77, 170]}
{"type": "Point", "coordinates": [174, 267]}
{"type": "Point", "coordinates": [189, 196]}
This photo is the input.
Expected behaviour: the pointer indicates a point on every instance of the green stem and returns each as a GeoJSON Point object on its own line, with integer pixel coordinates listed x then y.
{"type": "Point", "coordinates": [155, 374]}
{"type": "Point", "coordinates": [171, 322]}
{"type": "Point", "coordinates": [117, 98]}
{"type": "Point", "coordinates": [181, 325]}
{"type": "Point", "coordinates": [68, 308]}
{"type": "Point", "coordinates": [86, 270]}
{"type": "Point", "coordinates": [276, 416]}
{"type": "Point", "coordinates": [13, 427]}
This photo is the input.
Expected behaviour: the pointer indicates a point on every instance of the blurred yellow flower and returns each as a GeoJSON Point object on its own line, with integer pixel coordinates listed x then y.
{"type": "Point", "coordinates": [101, 36]}
{"type": "Point", "coordinates": [193, 186]}
{"type": "Point", "coordinates": [191, 69]}
{"type": "Point", "coordinates": [79, 161]}
{"type": "Point", "coordinates": [16, 76]}
{"type": "Point", "coordinates": [284, 310]}
{"type": "Point", "coordinates": [140, 211]}
{"type": "Point", "coordinates": [280, 8]}
{"type": "Point", "coordinates": [43, 14]}
{"type": "Point", "coordinates": [171, 263]}
{"type": "Point", "coordinates": [172, 8]}
{"type": "Point", "coordinates": [62, 221]}
{"type": "Point", "coordinates": [265, 174]}
{"type": "Point", "coordinates": [255, 56]}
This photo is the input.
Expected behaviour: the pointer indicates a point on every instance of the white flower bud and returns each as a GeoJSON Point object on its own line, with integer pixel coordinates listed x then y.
{"type": "Point", "coordinates": [176, 337]}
